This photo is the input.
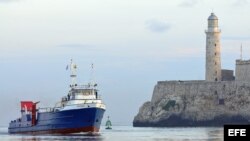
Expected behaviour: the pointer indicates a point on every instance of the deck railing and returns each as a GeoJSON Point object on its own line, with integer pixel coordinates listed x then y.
{"type": "Point", "coordinates": [58, 105]}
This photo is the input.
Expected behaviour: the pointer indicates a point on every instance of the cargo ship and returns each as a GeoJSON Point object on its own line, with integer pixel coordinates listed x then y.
{"type": "Point", "coordinates": [81, 110]}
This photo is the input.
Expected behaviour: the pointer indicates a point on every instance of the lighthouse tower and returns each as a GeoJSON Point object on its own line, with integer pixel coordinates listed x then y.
{"type": "Point", "coordinates": [213, 59]}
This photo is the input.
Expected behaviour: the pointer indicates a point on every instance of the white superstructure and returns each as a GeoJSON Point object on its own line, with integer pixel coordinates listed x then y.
{"type": "Point", "coordinates": [79, 96]}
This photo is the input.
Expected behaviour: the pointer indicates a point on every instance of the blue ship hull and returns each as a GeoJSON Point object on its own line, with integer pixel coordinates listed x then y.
{"type": "Point", "coordinates": [61, 122]}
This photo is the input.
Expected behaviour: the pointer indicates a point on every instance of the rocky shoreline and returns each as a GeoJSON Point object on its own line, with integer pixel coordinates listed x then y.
{"type": "Point", "coordinates": [178, 121]}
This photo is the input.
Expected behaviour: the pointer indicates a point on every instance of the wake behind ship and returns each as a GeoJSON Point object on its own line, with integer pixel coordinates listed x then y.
{"type": "Point", "coordinates": [80, 111]}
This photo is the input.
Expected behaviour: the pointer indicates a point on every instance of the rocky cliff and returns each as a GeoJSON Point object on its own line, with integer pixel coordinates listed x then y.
{"type": "Point", "coordinates": [196, 103]}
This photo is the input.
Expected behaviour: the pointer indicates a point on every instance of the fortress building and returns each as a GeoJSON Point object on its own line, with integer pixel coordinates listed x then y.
{"type": "Point", "coordinates": [242, 70]}
{"type": "Point", "coordinates": [213, 61]}
{"type": "Point", "coordinates": [219, 99]}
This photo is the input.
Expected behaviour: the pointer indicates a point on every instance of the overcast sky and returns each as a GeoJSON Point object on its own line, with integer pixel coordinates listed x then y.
{"type": "Point", "coordinates": [132, 43]}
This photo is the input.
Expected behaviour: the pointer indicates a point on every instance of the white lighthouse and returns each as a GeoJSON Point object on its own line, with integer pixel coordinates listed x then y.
{"type": "Point", "coordinates": [213, 59]}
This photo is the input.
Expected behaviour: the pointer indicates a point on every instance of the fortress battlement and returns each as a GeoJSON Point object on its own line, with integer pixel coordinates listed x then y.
{"type": "Point", "coordinates": [243, 62]}
{"type": "Point", "coordinates": [180, 81]}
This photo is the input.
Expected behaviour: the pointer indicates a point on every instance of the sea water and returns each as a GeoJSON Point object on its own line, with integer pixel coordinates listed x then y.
{"type": "Point", "coordinates": [126, 133]}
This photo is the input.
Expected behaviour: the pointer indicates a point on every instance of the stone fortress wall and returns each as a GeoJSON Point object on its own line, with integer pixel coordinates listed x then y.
{"type": "Point", "coordinates": [218, 90]}
{"type": "Point", "coordinates": [196, 103]}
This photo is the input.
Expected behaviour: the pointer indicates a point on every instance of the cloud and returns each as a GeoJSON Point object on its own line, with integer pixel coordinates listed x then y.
{"type": "Point", "coordinates": [240, 2]}
{"type": "Point", "coordinates": [236, 38]}
{"type": "Point", "coordinates": [157, 25]}
{"type": "Point", "coordinates": [188, 3]}
{"type": "Point", "coordinates": [75, 45]}
{"type": "Point", "coordinates": [7, 1]}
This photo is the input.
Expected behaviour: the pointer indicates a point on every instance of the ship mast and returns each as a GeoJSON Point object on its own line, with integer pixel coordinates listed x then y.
{"type": "Point", "coordinates": [73, 75]}
{"type": "Point", "coordinates": [92, 79]}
